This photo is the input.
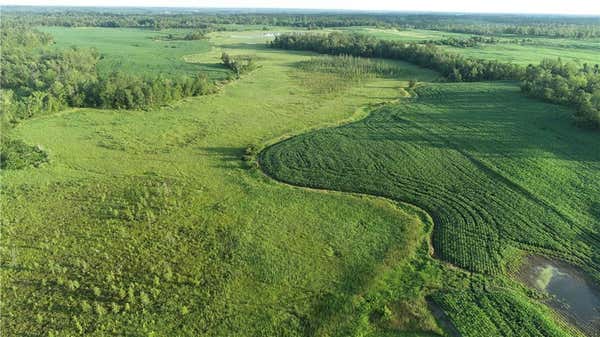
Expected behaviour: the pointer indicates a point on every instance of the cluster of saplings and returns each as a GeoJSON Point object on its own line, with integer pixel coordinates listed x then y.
{"type": "Point", "coordinates": [566, 27]}
{"type": "Point", "coordinates": [239, 64]}
{"type": "Point", "coordinates": [37, 80]}
{"type": "Point", "coordinates": [351, 68]}
{"type": "Point", "coordinates": [566, 83]}
{"type": "Point", "coordinates": [192, 36]}
{"type": "Point", "coordinates": [451, 65]}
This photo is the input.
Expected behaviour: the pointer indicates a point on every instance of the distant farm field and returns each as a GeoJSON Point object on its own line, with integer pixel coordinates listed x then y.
{"type": "Point", "coordinates": [508, 50]}
{"type": "Point", "coordinates": [587, 51]}
{"type": "Point", "coordinates": [140, 51]}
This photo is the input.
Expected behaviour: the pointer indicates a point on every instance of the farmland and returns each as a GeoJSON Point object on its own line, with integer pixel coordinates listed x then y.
{"type": "Point", "coordinates": [510, 48]}
{"type": "Point", "coordinates": [306, 195]}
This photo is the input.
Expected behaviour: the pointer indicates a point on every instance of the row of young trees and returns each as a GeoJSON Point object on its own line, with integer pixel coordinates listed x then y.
{"type": "Point", "coordinates": [566, 83]}
{"type": "Point", "coordinates": [470, 42]}
{"type": "Point", "coordinates": [552, 26]}
{"type": "Point", "coordinates": [37, 80]}
{"type": "Point", "coordinates": [451, 65]}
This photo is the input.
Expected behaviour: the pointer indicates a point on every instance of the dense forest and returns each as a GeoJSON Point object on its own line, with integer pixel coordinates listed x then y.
{"type": "Point", "coordinates": [566, 27]}
{"type": "Point", "coordinates": [38, 80]}
{"type": "Point", "coordinates": [566, 83]}
{"type": "Point", "coordinates": [453, 66]}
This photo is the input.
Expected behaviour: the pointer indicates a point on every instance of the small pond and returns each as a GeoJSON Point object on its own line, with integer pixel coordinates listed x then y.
{"type": "Point", "coordinates": [572, 294]}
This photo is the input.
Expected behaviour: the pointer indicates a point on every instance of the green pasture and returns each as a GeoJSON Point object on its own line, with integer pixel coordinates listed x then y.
{"type": "Point", "coordinates": [150, 223]}
{"type": "Point", "coordinates": [140, 51]}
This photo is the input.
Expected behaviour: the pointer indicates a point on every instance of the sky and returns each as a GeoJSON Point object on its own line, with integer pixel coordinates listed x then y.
{"type": "Point", "coordinates": [591, 7]}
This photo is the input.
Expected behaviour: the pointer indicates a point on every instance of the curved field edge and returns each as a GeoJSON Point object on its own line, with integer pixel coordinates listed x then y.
{"type": "Point", "coordinates": [454, 312]}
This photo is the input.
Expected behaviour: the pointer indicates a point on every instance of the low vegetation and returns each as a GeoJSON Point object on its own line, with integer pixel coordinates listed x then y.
{"type": "Point", "coordinates": [15, 154]}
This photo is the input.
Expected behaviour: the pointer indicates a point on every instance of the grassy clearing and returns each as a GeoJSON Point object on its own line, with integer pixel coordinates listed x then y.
{"type": "Point", "coordinates": [138, 51]}
{"type": "Point", "coordinates": [149, 223]}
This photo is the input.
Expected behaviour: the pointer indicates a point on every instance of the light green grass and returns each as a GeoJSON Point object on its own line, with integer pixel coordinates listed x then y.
{"type": "Point", "coordinates": [149, 223]}
{"type": "Point", "coordinates": [402, 34]}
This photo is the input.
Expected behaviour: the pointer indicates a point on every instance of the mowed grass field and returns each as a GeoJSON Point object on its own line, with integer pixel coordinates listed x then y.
{"type": "Point", "coordinates": [150, 223]}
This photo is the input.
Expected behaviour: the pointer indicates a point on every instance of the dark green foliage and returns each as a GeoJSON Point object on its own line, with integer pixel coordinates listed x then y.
{"type": "Point", "coordinates": [15, 154]}
{"type": "Point", "coordinates": [35, 81]}
{"type": "Point", "coordinates": [121, 90]}
{"type": "Point", "coordinates": [453, 66]}
{"type": "Point", "coordinates": [566, 83]}
{"type": "Point", "coordinates": [473, 41]}
{"type": "Point", "coordinates": [457, 151]}
{"type": "Point", "coordinates": [192, 36]}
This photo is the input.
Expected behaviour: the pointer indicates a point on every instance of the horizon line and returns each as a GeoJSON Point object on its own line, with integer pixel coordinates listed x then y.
{"type": "Point", "coordinates": [300, 9]}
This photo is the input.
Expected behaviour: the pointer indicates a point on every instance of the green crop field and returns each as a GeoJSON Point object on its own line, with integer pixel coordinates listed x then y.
{"type": "Point", "coordinates": [481, 158]}
{"type": "Point", "coordinates": [290, 193]}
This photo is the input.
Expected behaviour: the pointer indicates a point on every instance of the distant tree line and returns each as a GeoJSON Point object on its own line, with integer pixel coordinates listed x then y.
{"type": "Point", "coordinates": [566, 83]}
{"type": "Point", "coordinates": [38, 80]}
{"type": "Point", "coordinates": [451, 65]}
{"type": "Point", "coordinates": [470, 42]}
{"type": "Point", "coordinates": [551, 26]}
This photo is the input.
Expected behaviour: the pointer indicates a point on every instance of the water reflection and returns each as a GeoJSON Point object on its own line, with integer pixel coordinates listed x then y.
{"type": "Point", "coordinates": [572, 294]}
